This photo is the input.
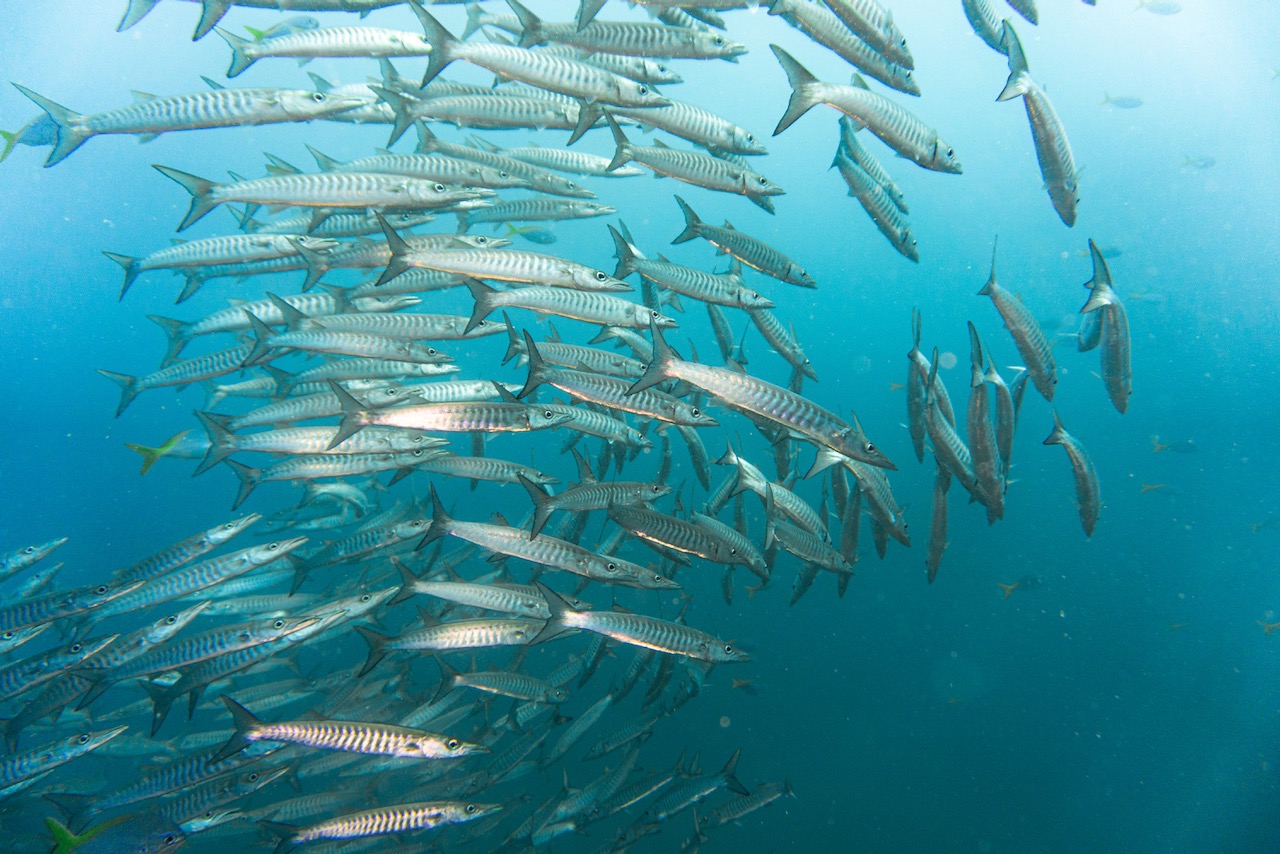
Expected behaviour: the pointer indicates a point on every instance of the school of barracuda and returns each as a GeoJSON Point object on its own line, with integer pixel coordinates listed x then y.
{"type": "Point", "coordinates": [448, 732]}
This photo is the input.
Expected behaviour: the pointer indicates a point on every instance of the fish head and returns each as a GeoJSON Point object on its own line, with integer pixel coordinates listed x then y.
{"type": "Point", "coordinates": [944, 158]}
{"type": "Point", "coordinates": [564, 187]}
{"type": "Point", "coordinates": [303, 106]}
{"type": "Point", "coordinates": [758, 185]}
{"type": "Point", "coordinates": [741, 141]}
{"type": "Point", "coordinates": [469, 812]}
{"type": "Point", "coordinates": [587, 279]}
{"type": "Point", "coordinates": [653, 71]}
{"type": "Point", "coordinates": [689, 414]}
{"type": "Point", "coordinates": [905, 80]}
{"type": "Point", "coordinates": [637, 94]}
{"type": "Point", "coordinates": [311, 244]}
{"type": "Point", "coordinates": [644, 315]}
{"type": "Point", "coordinates": [541, 418]}
{"type": "Point", "coordinates": [906, 243]}
{"type": "Point", "coordinates": [406, 219]}
{"type": "Point", "coordinates": [723, 652]}
{"type": "Point", "coordinates": [268, 552]}
{"type": "Point", "coordinates": [749, 299]}
{"type": "Point", "coordinates": [86, 741]}
{"type": "Point", "coordinates": [647, 492]}
{"type": "Point", "coordinates": [404, 442]}
{"type": "Point", "coordinates": [228, 530]}
{"type": "Point", "coordinates": [719, 47]}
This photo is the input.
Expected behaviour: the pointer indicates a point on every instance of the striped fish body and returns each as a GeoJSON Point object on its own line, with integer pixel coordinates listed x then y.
{"type": "Point", "coordinates": [338, 224]}
{"type": "Point", "coordinates": [510, 599]}
{"type": "Point", "coordinates": [856, 151]}
{"type": "Point", "coordinates": [185, 551]}
{"type": "Point", "coordinates": [699, 126]}
{"type": "Point", "coordinates": [698, 169]}
{"type": "Point", "coordinates": [783, 341]}
{"type": "Point", "coordinates": [542, 180]}
{"type": "Point", "coordinates": [428, 167]}
{"type": "Point", "coordinates": [498, 112]}
{"type": "Point", "coordinates": [357, 344]}
{"type": "Point", "coordinates": [483, 468]}
{"type": "Point", "coordinates": [518, 266]}
{"type": "Point", "coordinates": [588, 306]}
{"type": "Point", "coordinates": [938, 522]}
{"type": "Point", "coordinates": [320, 405]}
{"type": "Point", "coordinates": [534, 210]}
{"type": "Point", "coordinates": [983, 448]}
{"type": "Point", "coordinates": [311, 380]}
{"type": "Point", "coordinates": [518, 686]}
{"type": "Point", "coordinates": [985, 22]}
{"type": "Point", "coordinates": [624, 38]}
{"type": "Point", "coordinates": [150, 115]}
{"type": "Point", "coordinates": [879, 205]}
{"type": "Point", "coordinates": [873, 23]}
{"type": "Point", "coordinates": [1028, 337]}
{"type": "Point", "coordinates": [402, 818]}
{"type": "Point", "coordinates": [358, 737]}
{"type": "Point", "coordinates": [575, 162]}
{"type": "Point", "coordinates": [707, 287]}
{"type": "Point", "coordinates": [464, 417]}
{"type": "Point", "coordinates": [613, 393]}
{"type": "Point", "coordinates": [751, 251]}
{"type": "Point", "coordinates": [468, 634]}
{"type": "Point", "coordinates": [670, 532]}
{"type": "Point", "coordinates": [342, 190]}
{"type": "Point", "coordinates": [736, 549]}
{"type": "Point", "coordinates": [1006, 417]}
{"type": "Point", "coordinates": [950, 448]}
{"type": "Point", "coordinates": [1112, 331]}
{"type": "Point", "coordinates": [655, 634]}
{"type": "Point", "coordinates": [371, 42]}
{"type": "Point", "coordinates": [60, 604]}
{"type": "Point", "coordinates": [18, 771]}
{"type": "Point", "coordinates": [1088, 495]}
{"type": "Point", "coordinates": [1053, 151]}
{"type": "Point", "coordinates": [822, 25]}
{"type": "Point", "coordinates": [365, 254]}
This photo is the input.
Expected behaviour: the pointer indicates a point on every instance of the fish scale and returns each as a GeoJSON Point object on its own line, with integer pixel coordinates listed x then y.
{"type": "Point", "coordinates": [448, 170]}
{"type": "Point", "coordinates": [394, 819]}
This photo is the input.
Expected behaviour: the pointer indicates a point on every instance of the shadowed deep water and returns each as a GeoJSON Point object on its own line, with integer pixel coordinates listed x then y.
{"type": "Point", "coordinates": [1129, 702]}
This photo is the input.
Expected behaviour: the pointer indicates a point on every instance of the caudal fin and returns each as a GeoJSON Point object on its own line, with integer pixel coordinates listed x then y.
{"type": "Point", "coordinates": [70, 136]}
{"type": "Point", "coordinates": [800, 79]}
{"type": "Point", "coordinates": [399, 252]}
{"type": "Point", "coordinates": [128, 388]}
{"type": "Point", "coordinates": [248, 480]}
{"type": "Point", "coordinates": [441, 524]}
{"type": "Point", "coordinates": [537, 367]}
{"type": "Point", "coordinates": [150, 455]}
{"type": "Point", "coordinates": [657, 369]}
{"type": "Point", "coordinates": [1019, 77]}
{"type": "Point", "coordinates": [691, 223]}
{"type": "Point", "coordinates": [541, 505]}
{"type": "Point", "coordinates": [622, 153]}
{"type": "Point", "coordinates": [244, 722]}
{"type": "Point", "coordinates": [484, 297]}
{"type": "Point", "coordinates": [240, 57]}
{"type": "Point", "coordinates": [200, 190]}
{"type": "Point", "coordinates": [442, 43]}
{"type": "Point", "coordinates": [222, 442]}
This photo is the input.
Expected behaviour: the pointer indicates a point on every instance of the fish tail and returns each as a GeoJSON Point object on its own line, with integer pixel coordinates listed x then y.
{"type": "Point", "coordinates": [442, 43]}
{"type": "Point", "coordinates": [161, 702]}
{"type": "Point", "coordinates": [990, 287]}
{"type": "Point", "coordinates": [240, 58]}
{"type": "Point", "coordinates": [448, 680]}
{"type": "Point", "coordinates": [128, 388]}
{"type": "Point", "coordinates": [625, 253]}
{"type": "Point", "coordinates": [135, 12]}
{"type": "Point", "coordinates": [483, 295]}
{"type": "Point", "coordinates": [513, 340]}
{"type": "Point", "coordinates": [261, 340]}
{"type": "Point", "coordinates": [729, 774]}
{"type": "Point", "coordinates": [537, 367]}
{"type": "Point", "coordinates": [354, 415]}
{"type": "Point", "coordinates": [1059, 434]}
{"type": "Point", "coordinates": [175, 331]}
{"type": "Point", "coordinates": [64, 841]}
{"type": "Point", "coordinates": [657, 369]}
{"type": "Point", "coordinates": [404, 115]}
{"type": "Point", "coordinates": [244, 722]}
{"type": "Point", "coordinates": [201, 194]}
{"type": "Point", "coordinates": [976, 373]}
{"type": "Point", "coordinates": [621, 154]}
{"type": "Point", "coordinates": [440, 521]}
{"type": "Point", "coordinates": [559, 608]}
{"type": "Point", "coordinates": [691, 222]}
{"type": "Point", "coordinates": [377, 648]}
{"type": "Point", "coordinates": [286, 832]}
{"type": "Point", "coordinates": [149, 455]}
{"type": "Point", "coordinates": [474, 22]}
{"type": "Point", "coordinates": [69, 138]}
{"type": "Point", "coordinates": [1100, 292]}
{"type": "Point", "coordinates": [800, 80]}
{"type": "Point", "coordinates": [11, 139]}
{"type": "Point", "coordinates": [530, 25]}
{"type": "Point", "coordinates": [131, 269]}
{"type": "Point", "coordinates": [317, 264]}
{"type": "Point", "coordinates": [399, 249]}
{"type": "Point", "coordinates": [770, 515]}
{"type": "Point", "coordinates": [248, 480]}
{"type": "Point", "coordinates": [1016, 85]}
{"type": "Point", "coordinates": [222, 442]}
{"type": "Point", "coordinates": [408, 582]}
{"type": "Point", "coordinates": [211, 14]}
{"type": "Point", "coordinates": [541, 505]}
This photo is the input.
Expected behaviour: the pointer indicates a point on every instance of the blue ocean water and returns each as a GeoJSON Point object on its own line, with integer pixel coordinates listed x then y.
{"type": "Point", "coordinates": [1123, 698]}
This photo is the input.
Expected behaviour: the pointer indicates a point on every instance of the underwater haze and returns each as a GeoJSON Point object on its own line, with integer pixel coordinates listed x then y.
{"type": "Point", "coordinates": [1048, 691]}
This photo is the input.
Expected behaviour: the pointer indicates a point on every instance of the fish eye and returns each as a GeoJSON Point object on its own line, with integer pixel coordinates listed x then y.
{"type": "Point", "coordinates": [318, 97]}
{"type": "Point", "coordinates": [662, 68]}
{"type": "Point", "coordinates": [439, 188]}
{"type": "Point", "coordinates": [717, 41]}
{"type": "Point", "coordinates": [643, 90]}
{"type": "Point", "coordinates": [84, 739]}
{"type": "Point", "coordinates": [75, 647]}
{"type": "Point", "coordinates": [471, 808]}
{"type": "Point", "coordinates": [659, 578]}
{"type": "Point", "coordinates": [903, 42]}
{"type": "Point", "coordinates": [7, 635]}
{"type": "Point", "coordinates": [951, 152]}
{"type": "Point", "coordinates": [612, 567]}
{"type": "Point", "coordinates": [763, 180]}
{"type": "Point", "coordinates": [870, 448]}
{"type": "Point", "coordinates": [696, 412]}
{"type": "Point", "coordinates": [169, 621]}
{"type": "Point", "coordinates": [657, 487]}
{"type": "Point", "coordinates": [29, 550]}
{"type": "Point", "coordinates": [481, 240]}
{"type": "Point", "coordinates": [253, 777]}
{"type": "Point", "coordinates": [571, 185]}
{"type": "Point", "coordinates": [751, 137]}
{"type": "Point", "coordinates": [279, 624]}
{"type": "Point", "coordinates": [170, 839]}
{"type": "Point", "coordinates": [272, 546]}
{"type": "Point", "coordinates": [728, 648]}
{"type": "Point", "coordinates": [365, 598]}
{"type": "Point", "coordinates": [431, 351]}
{"type": "Point", "coordinates": [548, 414]}
{"type": "Point", "coordinates": [452, 744]}
{"type": "Point", "coordinates": [100, 589]}
{"type": "Point", "coordinates": [228, 526]}
{"type": "Point", "coordinates": [503, 175]}
{"type": "Point", "coordinates": [600, 276]}
{"type": "Point", "coordinates": [654, 314]}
